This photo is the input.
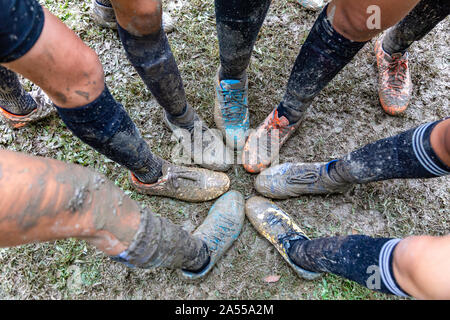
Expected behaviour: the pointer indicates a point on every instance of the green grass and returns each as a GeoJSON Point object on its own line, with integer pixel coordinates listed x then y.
{"type": "Point", "coordinates": [346, 115]}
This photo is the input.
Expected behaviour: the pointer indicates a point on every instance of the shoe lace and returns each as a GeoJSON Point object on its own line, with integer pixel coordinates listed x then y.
{"type": "Point", "coordinates": [174, 177]}
{"type": "Point", "coordinates": [304, 177]}
{"type": "Point", "coordinates": [234, 105]}
{"type": "Point", "coordinates": [397, 73]}
{"type": "Point", "coordinates": [276, 124]}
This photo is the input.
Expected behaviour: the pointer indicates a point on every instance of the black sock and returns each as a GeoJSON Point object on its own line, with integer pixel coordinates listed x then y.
{"type": "Point", "coordinates": [106, 126]}
{"type": "Point", "coordinates": [238, 23]}
{"type": "Point", "coordinates": [365, 260]}
{"type": "Point", "coordinates": [13, 98]}
{"type": "Point", "coordinates": [421, 20]}
{"type": "Point", "coordinates": [161, 243]}
{"type": "Point", "coordinates": [200, 262]}
{"type": "Point", "coordinates": [324, 53]}
{"type": "Point", "coordinates": [408, 155]}
{"type": "Point", "coordinates": [152, 58]}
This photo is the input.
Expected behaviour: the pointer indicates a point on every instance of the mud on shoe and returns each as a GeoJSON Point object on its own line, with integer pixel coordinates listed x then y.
{"type": "Point", "coordinates": [44, 109]}
{"type": "Point", "coordinates": [263, 145]}
{"type": "Point", "coordinates": [394, 80]}
{"type": "Point", "coordinates": [294, 179]}
{"type": "Point", "coordinates": [103, 14]}
{"type": "Point", "coordinates": [312, 4]}
{"type": "Point", "coordinates": [277, 227]}
{"type": "Point", "coordinates": [203, 145]}
{"type": "Point", "coordinates": [231, 113]}
{"type": "Point", "coordinates": [185, 183]}
{"type": "Point", "coordinates": [220, 229]}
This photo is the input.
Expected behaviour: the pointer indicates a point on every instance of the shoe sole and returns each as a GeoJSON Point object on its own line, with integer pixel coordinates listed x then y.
{"type": "Point", "coordinates": [266, 222]}
{"type": "Point", "coordinates": [230, 222]}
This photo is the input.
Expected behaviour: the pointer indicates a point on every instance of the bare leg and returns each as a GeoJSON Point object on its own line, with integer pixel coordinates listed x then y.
{"type": "Point", "coordinates": [44, 199]}
{"type": "Point", "coordinates": [421, 266]}
{"type": "Point", "coordinates": [58, 53]}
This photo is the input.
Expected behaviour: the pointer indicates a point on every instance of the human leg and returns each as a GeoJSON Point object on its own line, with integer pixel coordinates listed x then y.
{"type": "Point", "coordinates": [422, 152]}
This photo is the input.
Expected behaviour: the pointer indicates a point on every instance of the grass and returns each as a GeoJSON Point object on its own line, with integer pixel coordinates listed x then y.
{"type": "Point", "coordinates": [345, 116]}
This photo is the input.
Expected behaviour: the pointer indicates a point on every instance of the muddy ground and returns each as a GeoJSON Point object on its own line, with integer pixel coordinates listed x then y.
{"type": "Point", "coordinates": [345, 116]}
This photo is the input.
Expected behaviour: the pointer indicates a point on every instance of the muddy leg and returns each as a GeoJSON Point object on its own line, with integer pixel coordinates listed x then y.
{"type": "Point", "coordinates": [44, 200]}
{"type": "Point", "coordinates": [147, 48]}
{"type": "Point", "coordinates": [423, 152]}
{"type": "Point", "coordinates": [83, 101]}
{"type": "Point", "coordinates": [338, 34]}
{"type": "Point", "coordinates": [421, 20]}
{"type": "Point", "coordinates": [238, 24]}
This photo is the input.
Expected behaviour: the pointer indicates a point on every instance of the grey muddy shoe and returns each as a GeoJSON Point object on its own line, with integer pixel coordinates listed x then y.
{"type": "Point", "coordinates": [277, 227]}
{"type": "Point", "coordinates": [103, 14]}
{"type": "Point", "coordinates": [185, 183]}
{"type": "Point", "coordinates": [293, 179]}
{"type": "Point", "coordinates": [205, 146]}
{"type": "Point", "coordinates": [220, 229]}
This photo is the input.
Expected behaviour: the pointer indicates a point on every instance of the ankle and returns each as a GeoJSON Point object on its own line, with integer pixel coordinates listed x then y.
{"type": "Point", "coordinates": [291, 114]}
{"type": "Point", "coordinates": [200, 262]}
{"type": "Point", "coordinates": [184, 120]}
{"type": "Point", "coordinates": [231, 75]}
{"type": "Point", "coordinates": [337, 172]}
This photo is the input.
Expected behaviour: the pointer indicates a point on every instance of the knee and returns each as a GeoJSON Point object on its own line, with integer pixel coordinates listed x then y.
{"type": "Point", "coordinates": [407, 256]}
{"type": "Point", "coordinates": [351, 21]}
{"type": "Point", "coordinates": [139, 17]}
{"type": "Point", "coordinates": [86, 81]}
{"type": "Point", "coordinates": [446, 139]}
{"type": "Point", "coordinates": [419, 267]}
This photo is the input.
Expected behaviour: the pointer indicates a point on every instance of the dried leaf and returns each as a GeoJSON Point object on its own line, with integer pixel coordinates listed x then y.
{"type": "Point", "coordinates": [272, 278]}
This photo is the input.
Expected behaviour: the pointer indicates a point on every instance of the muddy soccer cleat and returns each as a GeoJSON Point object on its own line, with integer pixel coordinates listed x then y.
{"type": "Point", "coordinates": [220, 229]}
{"type": "Point", "coordinates": [294, 179]}
{"type": "Point", "coordinates": [263, 145]}
{"type": "Point", "coordinates": [185, 183]}
{"type": "Point", "coordinates": [204, 145]}
{"type": "Point", "coordinates": [103, 14]}
{"type": "Point", "coordinates": [277, 227]}
{"type": "Point", "coordinates": [44, 109]}
{"type": "Point", "coordinates": [231, 111]}
{"type": "Point", "coordinates": [312, 4]}
{"type": "Point", "coordinates": [394, 80]}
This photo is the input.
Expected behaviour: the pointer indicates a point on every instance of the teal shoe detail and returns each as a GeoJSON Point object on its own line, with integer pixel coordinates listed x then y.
{"type": "Point", "coordinates": [220, 229]}
{"type": "Point", "coordinates": [231, 111]}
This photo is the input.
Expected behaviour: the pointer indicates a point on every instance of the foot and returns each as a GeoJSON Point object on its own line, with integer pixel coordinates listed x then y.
{"type": "Point", "coordinates": [231, 111]}
{"type": "Point", "coordinates": [220, 229]}
{"type": "Point", "coordinates": [312, 4]}
{"type": "Point", "coordinates": [263, 145]}
{"type": "Point", "coordinates": [294, 179]}
{"type": "Point", "coordinates": [205, 146]}
{"type": "Point", "coordinates": [103, 14]}
{"type": "Point", "coordinates": [185, 183]}
{"type": "Point", "coordinates": [44, 109]}
{"type": "Point", "coordinates": [277, 227]}
{"type": "Point", "coordinates": [394, 80]}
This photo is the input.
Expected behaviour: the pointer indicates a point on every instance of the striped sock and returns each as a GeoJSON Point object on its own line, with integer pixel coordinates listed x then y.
{"type": "Point", "coordinates": [386, 269]}
{"type": "Point", "coordinates": [408, 155]}
{"type": "Point", "coordinates": [363, 259]}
